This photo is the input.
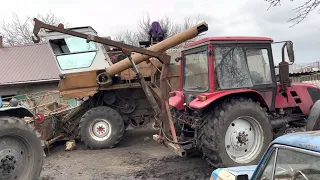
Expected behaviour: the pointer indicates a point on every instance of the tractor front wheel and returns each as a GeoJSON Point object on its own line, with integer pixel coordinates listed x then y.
{"type": "Point", "coordinates": [21, 150]}
{"type": "Point", "coordinates": [236, 133]}
{"type": "Point", "coordinates": [101, 127]}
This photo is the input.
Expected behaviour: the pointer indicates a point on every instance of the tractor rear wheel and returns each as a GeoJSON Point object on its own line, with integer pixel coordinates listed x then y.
{"type": "Point", "coordinates": [21, 150]}
{"type": "Point", "coordinates": [236, 133]}
{"type": "Point", "coordinates": [101, 127]}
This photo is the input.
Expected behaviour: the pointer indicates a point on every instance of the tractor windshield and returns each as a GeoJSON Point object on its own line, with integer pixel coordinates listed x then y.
{"type": "Point", "coordinates": [73, 52]}
{"type": "Point", "coordinates": [241, 67]}
{"type": "Point", "coordinates": [195, 71]}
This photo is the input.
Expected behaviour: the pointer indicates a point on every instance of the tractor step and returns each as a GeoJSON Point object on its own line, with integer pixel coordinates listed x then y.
{"type": "Point", "coordinates": [173, 147]}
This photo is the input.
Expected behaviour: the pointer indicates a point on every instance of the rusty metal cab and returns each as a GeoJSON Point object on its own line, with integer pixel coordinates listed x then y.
{"type": "Point", "coordinates": [80, 63]}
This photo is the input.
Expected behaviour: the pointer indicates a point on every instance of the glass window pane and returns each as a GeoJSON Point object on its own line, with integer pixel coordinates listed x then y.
{"type": "Point", "coordinates": [231, 68]}
{"type": "Point", "coordinates": [76, 44]}
{"type": "Point", "coordinates": [258, 63]}
{"type": "Point", "coordinates": [74, 61]}
{"type": "Point", "coordinates": [267, 172]}
{"type": "Point", "coordinates": [196, 72]}
{"type": "Point", "coordinates": [297, 165]}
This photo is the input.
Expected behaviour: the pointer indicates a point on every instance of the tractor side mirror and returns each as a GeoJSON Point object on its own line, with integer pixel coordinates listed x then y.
{"type": "Point", "coordinates": [290, 51]}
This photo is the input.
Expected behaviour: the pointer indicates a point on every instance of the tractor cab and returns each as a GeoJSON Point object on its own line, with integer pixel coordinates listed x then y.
{"type": "Point", "coordinates": [221, 64]}
{"type": "Point", "coordinates": [74, 54]}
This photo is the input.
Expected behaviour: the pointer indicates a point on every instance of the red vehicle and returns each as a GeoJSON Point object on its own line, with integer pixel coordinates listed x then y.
{"type": "Point", "coordinates": [230, 103]}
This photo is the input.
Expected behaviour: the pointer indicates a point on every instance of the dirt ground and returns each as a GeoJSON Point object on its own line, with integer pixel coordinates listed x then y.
{"type": "Point", "coordinates": [137, 156]}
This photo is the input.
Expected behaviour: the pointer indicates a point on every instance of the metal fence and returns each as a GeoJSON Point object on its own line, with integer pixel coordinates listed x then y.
{"type": "Point", "coordinates": [310, 78]}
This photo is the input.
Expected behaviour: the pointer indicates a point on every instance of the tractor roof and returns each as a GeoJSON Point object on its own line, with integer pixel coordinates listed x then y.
{"type": "Point", "coordinates": [230, 38]}
{"type": "Point", "coordinates": [309, 140]}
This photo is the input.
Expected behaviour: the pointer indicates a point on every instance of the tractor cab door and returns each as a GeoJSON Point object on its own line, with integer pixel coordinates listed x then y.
{"type": "Point", "coordinates": [240, 66]}
{"type": "Point", "coordinates": [79, 62]}
{"type": "Point", "coordinates": [195, 72]}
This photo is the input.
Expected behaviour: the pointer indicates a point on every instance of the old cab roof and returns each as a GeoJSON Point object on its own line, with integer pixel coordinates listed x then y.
{"type": "Point", "coordinates": [309, 140]}
{"type": "Point", "coordinates": [230, 38]}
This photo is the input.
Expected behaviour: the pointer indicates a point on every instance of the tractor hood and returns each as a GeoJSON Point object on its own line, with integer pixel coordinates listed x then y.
{"type": "Point", "coordinates": [233, 173]}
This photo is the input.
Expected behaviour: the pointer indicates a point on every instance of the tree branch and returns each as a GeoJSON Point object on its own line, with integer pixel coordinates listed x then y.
{"type": "Point", "coordinates": [144, 24]}
{"type": "Point", "coordinates": [19, 31]}
{"type": "Point", "coordinates": [302, 10]}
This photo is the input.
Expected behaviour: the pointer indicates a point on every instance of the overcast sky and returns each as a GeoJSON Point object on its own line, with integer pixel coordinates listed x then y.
{"type": "Point", "coordinates": [225, 18]}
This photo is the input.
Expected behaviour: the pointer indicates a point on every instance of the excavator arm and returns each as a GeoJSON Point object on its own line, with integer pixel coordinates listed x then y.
{"type": "Point", "coordinates": [163, 116]}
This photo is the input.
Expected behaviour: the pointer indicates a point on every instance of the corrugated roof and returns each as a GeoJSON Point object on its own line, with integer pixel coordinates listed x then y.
{"type": "Point", "coordinates": [27, 63]}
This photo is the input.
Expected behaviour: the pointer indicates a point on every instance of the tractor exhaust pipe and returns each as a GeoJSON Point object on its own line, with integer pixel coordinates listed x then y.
{"type": "Point", "coordinates": [280, 122]}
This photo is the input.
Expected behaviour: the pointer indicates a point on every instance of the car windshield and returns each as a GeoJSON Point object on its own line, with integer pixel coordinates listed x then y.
{"type": "Point", "coordinates": [196, 72]}
{"type": "Point", "coordinates": [297, 165]}
{"type": "Point", "coordinates": [73, 52]}
{"type": "Point", "coordinates": [292, 164]}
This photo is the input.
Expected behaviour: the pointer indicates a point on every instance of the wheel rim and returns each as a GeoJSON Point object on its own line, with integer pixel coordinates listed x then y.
{"type": "Point", "coordinates": [100, 129]}
{"type": "Point", "coordinates": [16, 158]}
{"type": "Point", "coordinates": [244, 139]}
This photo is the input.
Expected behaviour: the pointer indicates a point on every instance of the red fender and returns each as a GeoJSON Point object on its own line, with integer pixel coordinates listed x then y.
{"type": "Point", "coordinates": [197, 103]}
{"type": "Point", "coordinates": [177, 100]}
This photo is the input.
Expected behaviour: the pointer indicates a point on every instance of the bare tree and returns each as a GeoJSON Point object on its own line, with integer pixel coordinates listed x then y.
{"type": "Point", "coordinates": [302, 10]}
{"type": "Point", "coordinates": [169, 27]}
{"type": "Point", "coordinates": [19, 31]}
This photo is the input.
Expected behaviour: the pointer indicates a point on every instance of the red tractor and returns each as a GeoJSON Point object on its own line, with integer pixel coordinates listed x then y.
{"type": "Point", "coordinates": [230, 103]}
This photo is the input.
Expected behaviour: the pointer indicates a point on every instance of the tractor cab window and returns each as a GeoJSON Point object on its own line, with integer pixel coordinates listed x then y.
{"type": "Point", "coordinates": [195, 72]}
{"type": "Point", "coordinates": [258, 63]}
{"type": "Point", "coordinates": [231, 69]}
{"type": "Point", "coordinates": [73, 52]}
{"type": "Point", "coordinates": [241, 67]}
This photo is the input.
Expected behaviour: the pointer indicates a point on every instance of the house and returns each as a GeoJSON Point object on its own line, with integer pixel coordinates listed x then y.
{"type": "Point", "coordinates": [27, 69]}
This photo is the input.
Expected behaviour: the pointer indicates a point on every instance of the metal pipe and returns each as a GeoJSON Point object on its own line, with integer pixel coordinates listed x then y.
{"type": "Point", "coordinates": [280, 122]}
{"type": "Point", "coordinates": [159, 47]}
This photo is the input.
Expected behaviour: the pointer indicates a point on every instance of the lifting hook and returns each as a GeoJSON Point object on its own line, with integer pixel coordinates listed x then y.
{"type": "Point", "coordinates": [35, 39]}
{"type": "Point", "coordinates": [36, 29]}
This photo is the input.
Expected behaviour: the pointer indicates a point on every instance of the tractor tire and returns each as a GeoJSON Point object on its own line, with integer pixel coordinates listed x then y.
{"type": "Point", "coordinates": [21, 150]}
{"type": "Point", "coordinates": [101, 127]}
{"type": "Point", "coordinates": [235, 133]}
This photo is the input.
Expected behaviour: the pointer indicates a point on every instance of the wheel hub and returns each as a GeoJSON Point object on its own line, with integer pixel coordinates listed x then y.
{"type": "Point", "coordinates": [8, 162]}
{"type": "Point", "coordinates": [100, 129]}
{"type": "Point", "coordinates": [243, 139]}
{"type": "Point", "coordinates": [239, 139]}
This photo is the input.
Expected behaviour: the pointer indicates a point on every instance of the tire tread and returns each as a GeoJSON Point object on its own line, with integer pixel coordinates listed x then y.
{"type": "Point", "coordinates": [208, 142]}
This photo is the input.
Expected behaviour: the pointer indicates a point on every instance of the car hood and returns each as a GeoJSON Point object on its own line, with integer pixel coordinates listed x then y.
{"type": "Point", "coordinates": [232, 172]}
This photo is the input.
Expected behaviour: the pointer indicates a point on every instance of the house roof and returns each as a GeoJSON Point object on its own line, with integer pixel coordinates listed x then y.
{"type": "Point", "coordinates": [27, 64]}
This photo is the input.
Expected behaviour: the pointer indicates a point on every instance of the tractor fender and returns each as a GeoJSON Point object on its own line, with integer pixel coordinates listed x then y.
{"type": "Point", "coordinates": [313, 121]}
{"type": "Point", "coordinates": [199, 102]}
{"type": "Point", "coordinates": [177, 100]}
{"type": "Point", "coordinates": [17, 111]}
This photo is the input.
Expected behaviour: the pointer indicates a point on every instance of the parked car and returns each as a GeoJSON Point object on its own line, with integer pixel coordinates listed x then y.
{"type": "Point", "coordinates": [294, 156]}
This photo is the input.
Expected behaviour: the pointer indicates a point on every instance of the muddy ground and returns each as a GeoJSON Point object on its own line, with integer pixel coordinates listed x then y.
{"type": "Point", "coordinates": [137, 156]}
